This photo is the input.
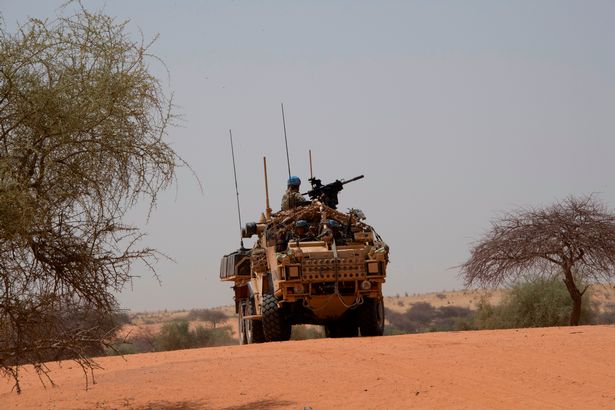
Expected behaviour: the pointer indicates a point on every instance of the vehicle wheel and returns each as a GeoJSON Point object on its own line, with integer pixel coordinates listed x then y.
{"type": "Point", "coordinates": [241, 323]}
{"type": "Point", "coordinates": [371, 317]}
{"type": "Point", "coordinates": [253, 328]}
{"type": "Point", "coordinates": [275, 325]}
{"type": "Point", "coordinates": [342, 328]}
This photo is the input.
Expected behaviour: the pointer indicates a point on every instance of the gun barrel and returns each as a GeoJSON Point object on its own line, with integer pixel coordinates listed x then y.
{"type": "Point", "coordinates": [328, 193]}
{"type": "Point", "coordinates": [353, 179]}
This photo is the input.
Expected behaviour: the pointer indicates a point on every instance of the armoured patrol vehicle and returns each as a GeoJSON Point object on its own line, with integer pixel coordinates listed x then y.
{"type": "Point", "coordinates": [330, 272]}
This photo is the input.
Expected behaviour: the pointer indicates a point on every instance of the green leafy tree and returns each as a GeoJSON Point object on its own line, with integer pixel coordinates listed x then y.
{"type": "Point", "coordinates": [82, 127]}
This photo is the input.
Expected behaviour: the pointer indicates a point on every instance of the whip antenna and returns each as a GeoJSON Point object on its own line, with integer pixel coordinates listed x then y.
{"type": "Point", "coordinates": [230, 133]}
{"type": "Point", "coordinates": [268, 208]}
{"type": "Point", "coordinates": [311, 172]}
{"type": "Point", "coordinates": [285, 139]}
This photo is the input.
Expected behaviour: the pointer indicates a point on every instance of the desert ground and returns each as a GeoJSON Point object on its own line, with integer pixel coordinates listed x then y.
{"type": "Point", "coordinates": [542, 368]}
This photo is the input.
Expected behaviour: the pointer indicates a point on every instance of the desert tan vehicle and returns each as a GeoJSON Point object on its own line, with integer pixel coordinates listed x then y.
{"type": "Point", "coordinates": [330, 274]}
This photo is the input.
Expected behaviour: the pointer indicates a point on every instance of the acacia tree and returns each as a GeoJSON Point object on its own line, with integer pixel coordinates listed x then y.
{"type": "Point", "coordinates": [573, 239]}
{"type": "Point", "coordinates": [215, 317]}
{"type": "Point", "coordinates": [82, 122]}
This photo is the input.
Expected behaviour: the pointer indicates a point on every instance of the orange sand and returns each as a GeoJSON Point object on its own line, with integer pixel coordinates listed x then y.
{"type": "Point", "coordinates": [530, 368]}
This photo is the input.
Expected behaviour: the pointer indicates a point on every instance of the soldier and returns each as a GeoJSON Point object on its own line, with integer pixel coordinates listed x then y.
{"type": "Point", "coordinates": [292, 198]}
{"type": "Point", "coordinates": [301, 231]}
{"type": "Point", "coordinates": [332, 230]}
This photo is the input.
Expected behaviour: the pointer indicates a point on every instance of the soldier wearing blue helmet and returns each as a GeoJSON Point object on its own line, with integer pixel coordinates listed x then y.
{"type": "Point", "coordinates": [333, 230]}
{"type": "Point", "coordinates": [302, 231]}
{"type": "Point", "coordinates": [292, 198]}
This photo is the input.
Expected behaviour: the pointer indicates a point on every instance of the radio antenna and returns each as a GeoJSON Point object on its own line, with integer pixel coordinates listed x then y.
{"type": "Point", "coordinates": [230, 133]}
{"type": "Point", "coordinates": [311, 172]}
{"type": "Point", "coordinates": [285, 139]}
{"type": "Point", "coordinates": [268, 208]}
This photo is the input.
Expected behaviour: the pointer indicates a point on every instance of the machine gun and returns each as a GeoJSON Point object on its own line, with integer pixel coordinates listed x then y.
{"type": "Point", "coordinates": [327, 194]}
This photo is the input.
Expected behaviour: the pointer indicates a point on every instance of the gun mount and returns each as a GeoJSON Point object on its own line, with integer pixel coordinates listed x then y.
{"type": "Point", "coordinates": [327, 194]}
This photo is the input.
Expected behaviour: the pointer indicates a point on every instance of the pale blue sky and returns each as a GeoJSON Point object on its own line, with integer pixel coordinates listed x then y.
{"type": "Point", "coordinates": [453, 110]}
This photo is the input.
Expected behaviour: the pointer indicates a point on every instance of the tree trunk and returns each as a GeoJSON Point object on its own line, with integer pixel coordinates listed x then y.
{"type": "Point", "coordinates": [575, 295]}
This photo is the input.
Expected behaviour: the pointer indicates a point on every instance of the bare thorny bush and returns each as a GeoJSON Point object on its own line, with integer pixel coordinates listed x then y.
{"type": "Point", "coordinates": [82, 123]}
{"type": "Point", "coordinates": [573, 239]}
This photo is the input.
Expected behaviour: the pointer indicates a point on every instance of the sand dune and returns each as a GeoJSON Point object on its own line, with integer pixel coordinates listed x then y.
{"type": "Point", "coordinates": [529, 368]}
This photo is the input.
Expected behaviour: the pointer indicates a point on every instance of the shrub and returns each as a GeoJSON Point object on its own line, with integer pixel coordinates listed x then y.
{"type": "Point", "coordinates": [178, 335]}
{"type": "Point", "coordinates": [539, 303]}
{"type": "Point", "coordinates": [220, 336]}
{"type": "Point", "coordinates": [174, 336]}
{"type": "Point", "coordinates": [401, 322]}
{"type": "Point", "coordinates": [449, 318]}
{"type": "Point", "coordinates": [143, 341]}
{"type": "Point", "coordinates": [423, 317]}
{"type": "Point", "coordinates": [421, 313]}
{"type": "Point", "coordinates": [453, 312]}
{"type": "Point", "coordinates": [607, 316]}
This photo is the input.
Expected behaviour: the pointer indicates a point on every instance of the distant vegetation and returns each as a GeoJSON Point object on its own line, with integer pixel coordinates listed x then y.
{"type": "Point", "coordinates": [423, 317]}
{"type": "Point", "coordinates": [179, 334]}
{"type": "Point", "coordinates": [538, 303]}
{"type": "Point", "coordinates": [606, 317]}
{"type": "Point", "coordinates": [215, 317]}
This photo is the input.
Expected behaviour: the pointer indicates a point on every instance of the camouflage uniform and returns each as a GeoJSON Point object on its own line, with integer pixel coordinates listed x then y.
{"type": "Point", "coordinates": [301, 238]}
{"type": "Point", "coordinates": [292, 199]}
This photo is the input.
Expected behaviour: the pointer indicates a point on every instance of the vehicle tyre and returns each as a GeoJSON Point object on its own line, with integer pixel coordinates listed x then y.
{"type": "Point", "coordinates": [253, 328]}
{"type": "Point", "coordinates": [371, 317]}
{"type": "Point", "coordinates": [275, 326]}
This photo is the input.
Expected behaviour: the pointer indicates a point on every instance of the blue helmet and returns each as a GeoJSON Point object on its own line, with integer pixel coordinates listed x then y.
{"type": "Point", "coordinates": [301, 223]}
{"type": "Point", "coordinates": [333, 224]}
{"type": "Point", "coordinates": [294, 181]}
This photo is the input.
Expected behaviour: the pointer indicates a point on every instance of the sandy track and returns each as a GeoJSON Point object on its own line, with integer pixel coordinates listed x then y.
{"type": "Point", "coordinates": [530, 368]}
